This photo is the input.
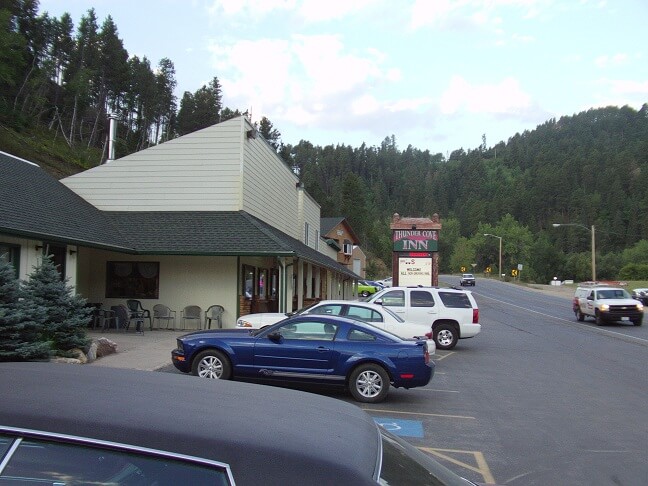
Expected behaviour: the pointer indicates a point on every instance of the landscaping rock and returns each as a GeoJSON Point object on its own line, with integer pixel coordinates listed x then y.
{"type": "Point", "coordinates": [105, 347]}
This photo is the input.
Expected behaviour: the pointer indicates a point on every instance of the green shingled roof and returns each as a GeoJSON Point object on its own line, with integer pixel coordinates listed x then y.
{"type": "Point", "coordinates": [34, 204]}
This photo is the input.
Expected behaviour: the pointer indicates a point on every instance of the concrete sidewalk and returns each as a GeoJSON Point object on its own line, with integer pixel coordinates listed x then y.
{"type": "Point", "coordinates": [149, 351]}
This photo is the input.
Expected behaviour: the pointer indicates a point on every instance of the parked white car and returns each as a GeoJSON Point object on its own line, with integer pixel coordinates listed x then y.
{"type": "Point", "coordinates": [377, 315]}
{"type": "Point", "coordinates": [448, 314]}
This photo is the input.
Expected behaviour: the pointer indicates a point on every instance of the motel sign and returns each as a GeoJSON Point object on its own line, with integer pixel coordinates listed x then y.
{"type": "Point", "coordinates": [415, 257]}
{"type": "Point", "coordinates": [415, 240]}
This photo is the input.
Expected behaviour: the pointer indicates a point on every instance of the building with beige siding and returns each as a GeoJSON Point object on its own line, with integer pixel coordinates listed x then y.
{"type": "Point", "coordinates": [213, 217]}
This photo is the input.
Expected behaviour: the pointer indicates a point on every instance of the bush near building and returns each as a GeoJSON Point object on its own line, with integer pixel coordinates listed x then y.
{"type": "Point", "coordinates": [40, 317]}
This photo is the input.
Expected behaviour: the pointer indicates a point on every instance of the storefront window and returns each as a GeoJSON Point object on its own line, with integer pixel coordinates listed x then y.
{"type": "Point", "coordinates": [248, 281]}
{"type": "Point", "coordinates": [263, 280]}
{"type": "Point", "coordinates": [11, 254]}
{"type": "Point", "coordinates": [133, 280]}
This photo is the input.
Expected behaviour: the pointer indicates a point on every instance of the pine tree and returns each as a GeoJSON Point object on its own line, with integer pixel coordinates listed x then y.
{"type": "Point", "coordinates": [20, 321]}
{"type": "Point", "coordinates": [67, 314]}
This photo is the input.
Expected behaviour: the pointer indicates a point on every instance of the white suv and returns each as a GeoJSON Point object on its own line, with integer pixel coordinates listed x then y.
{"type": "Point", "coordinates": [451, 314]}
{"type": "Point", "coordinates": [606, 304]}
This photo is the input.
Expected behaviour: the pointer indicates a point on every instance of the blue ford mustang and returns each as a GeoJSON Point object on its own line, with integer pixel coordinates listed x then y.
{"type": "Point", "coordinates": [318, 349]}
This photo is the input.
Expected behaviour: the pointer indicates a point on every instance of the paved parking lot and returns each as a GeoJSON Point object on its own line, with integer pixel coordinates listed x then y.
{"type": "Point", "coordinates": [428, 417]}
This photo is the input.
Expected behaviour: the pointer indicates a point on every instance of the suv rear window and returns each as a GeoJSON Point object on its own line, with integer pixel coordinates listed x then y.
{"type": "Point", "coordinates": [457, 300]}
{"type": "Point", "coordinates": [394, 298]}
{"type": "Point", "coordinates": [421, 298]}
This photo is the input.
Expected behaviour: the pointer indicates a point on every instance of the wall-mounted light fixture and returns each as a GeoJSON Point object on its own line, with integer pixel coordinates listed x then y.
{"type": "Point", "coordinates": [39, 247]}
{"type": "Point", "coordinates": [72, 252]}
{"type": "Point", "coordinates": [251, 133]}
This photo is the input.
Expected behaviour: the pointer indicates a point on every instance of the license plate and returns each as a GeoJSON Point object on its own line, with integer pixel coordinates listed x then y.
{"type": "Point", "coordinates": [431, 346]}
{"type": "Point", "coordinates": [625, 318]}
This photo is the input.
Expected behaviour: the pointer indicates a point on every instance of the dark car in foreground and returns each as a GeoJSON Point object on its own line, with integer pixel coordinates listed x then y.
{"type": "Point", "coordinates": [309, 349]}
{"type": "Point", "coordinates": [70, 424]}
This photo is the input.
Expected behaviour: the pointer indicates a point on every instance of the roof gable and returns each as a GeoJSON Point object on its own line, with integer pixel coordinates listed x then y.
{"type": "Point", "coordinates": [36, 205]}
{"type": "Point", "coordinates": [328, 227]}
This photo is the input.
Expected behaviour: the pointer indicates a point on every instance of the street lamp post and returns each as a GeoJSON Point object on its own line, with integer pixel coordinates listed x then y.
{"type": "Point", "coordinates": [593, 231]}
{"type": "Point", "coordinates": [500, 252]}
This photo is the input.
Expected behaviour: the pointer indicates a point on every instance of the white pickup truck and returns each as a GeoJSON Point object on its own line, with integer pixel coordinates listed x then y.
{"type": "Point", "coordinates": [607, 304]}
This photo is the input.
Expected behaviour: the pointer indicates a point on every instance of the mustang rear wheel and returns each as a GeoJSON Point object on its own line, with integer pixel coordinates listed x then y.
{"type": "Point", "coordinates": [369, 383]}
{"type": "Point", "coordinates": [212, 364]}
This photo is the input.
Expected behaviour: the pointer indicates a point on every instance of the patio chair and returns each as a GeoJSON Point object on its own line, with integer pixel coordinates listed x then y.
{"type": "Point", "coordinates": [125, 318]}
{"type": "Point", "coordinates": [95, 315]}
{"type": "Point", "coordinates": [137, 311]}
{"type": "Point", "coordinates": [192, 313]}
{"type": "Point", "coordinates": [214, 313]}
{"type": "Point", "coordinates": [162, 313]}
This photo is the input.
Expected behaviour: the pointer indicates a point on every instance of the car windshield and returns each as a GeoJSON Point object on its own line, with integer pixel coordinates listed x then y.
{"type": "Point", "coordinates": [613, 294]}
{"type": "Point", "coordinates": [302, 310]}
{"type": "Point", "coordinates": [393, 314]}
{"type": "Point", "coordinates": [402, 463]}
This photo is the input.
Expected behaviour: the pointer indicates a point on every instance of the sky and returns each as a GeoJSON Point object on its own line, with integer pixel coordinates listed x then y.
{"type": "Point", "coordinates": [438, 75]}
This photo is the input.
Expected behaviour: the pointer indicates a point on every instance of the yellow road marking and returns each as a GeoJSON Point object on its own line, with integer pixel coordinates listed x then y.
{"type": "Point", "coordinates": [481, 468]}
{"type": "Point", "coordinates": [419, 413]}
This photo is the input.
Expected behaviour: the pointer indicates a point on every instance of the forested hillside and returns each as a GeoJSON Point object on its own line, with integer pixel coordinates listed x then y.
{"type": "Point", "coordinates": [58, 84]}
{"type": "Point", "coordinates": [588, 169]}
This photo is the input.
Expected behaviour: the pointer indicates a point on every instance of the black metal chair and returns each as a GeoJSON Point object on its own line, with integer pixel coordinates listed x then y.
{"type": "Point", "coordinates": [125, 317]}
{"type": "Point", "coordinates": [136, 311]}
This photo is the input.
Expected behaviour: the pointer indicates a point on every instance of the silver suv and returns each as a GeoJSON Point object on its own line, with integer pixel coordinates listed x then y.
{"type": "Point", "coordinates": [606, 304]}
{"type": "Point", "coordinates": [451, 314]}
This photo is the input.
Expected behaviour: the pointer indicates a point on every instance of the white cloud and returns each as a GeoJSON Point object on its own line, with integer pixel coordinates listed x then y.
{"type": "Point", "coordinates": [629, 87]}
{"type": "Point", "coordinates": [606, 61]}
{"type": "Point", "coordinates": [256, 7]}
{"type": "Point", "coordinates": [504, 98]}
{"type": "Point", "coordinates": [477, 12]}
{"type": "Point", "coordinates": [301, 77]}
{"type": "Point", "coordinates": [254, 73]}
{"type": "Point", "coordinates": [319, 11]}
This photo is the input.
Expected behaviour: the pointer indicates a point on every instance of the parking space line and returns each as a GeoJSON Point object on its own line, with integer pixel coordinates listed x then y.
{"type": "Point", "coordinates": [481, 467]}
{"type": "Point", "coordinates": [434, 390]}
{"type": "Point", "coordinates": [439, 357]}
{"type": "Point", "coordinates": [420, 414]}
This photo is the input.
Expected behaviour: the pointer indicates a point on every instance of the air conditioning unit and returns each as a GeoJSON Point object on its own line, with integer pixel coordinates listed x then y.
{"type": "Point", "coordinates": [347, 248]}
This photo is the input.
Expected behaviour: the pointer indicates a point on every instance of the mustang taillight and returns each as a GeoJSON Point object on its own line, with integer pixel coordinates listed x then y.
{"type": "Point", "coordinates": [426, 353]}
{"type": "Point", "coordinates": [407, 376]}
{"type": "Point", "coordinates": [475, 316]}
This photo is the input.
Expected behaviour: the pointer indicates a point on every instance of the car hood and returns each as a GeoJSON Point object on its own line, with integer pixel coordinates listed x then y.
{"type": "Point", "coordinates": [619, 301]}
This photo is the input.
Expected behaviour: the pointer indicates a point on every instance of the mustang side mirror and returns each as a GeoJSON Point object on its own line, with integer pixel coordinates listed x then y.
{"type": "Point", "coordinates": [274, 336]}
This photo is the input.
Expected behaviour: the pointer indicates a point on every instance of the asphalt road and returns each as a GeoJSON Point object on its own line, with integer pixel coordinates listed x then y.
{"type": "Point", "coordinates": [536, 398]}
